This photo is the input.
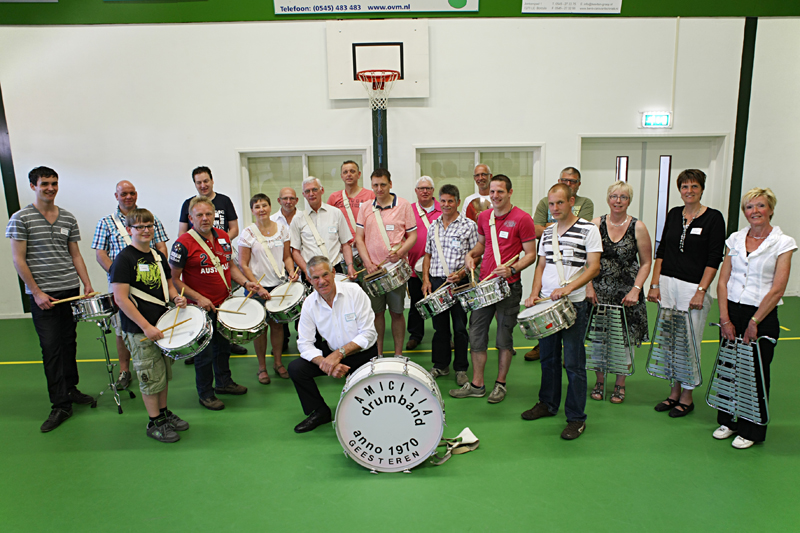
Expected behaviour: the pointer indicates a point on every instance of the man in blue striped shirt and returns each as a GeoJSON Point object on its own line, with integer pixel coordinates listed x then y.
{"type": "Point", "coordinates": [44, 247]}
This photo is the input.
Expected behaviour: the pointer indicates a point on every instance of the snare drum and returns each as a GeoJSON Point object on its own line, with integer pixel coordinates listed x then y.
{"type": "Point", "coordinates": [96, 308]}
{"type": "Point", "coordinates": [188, 339]}
{"type": "Point", "coordinates": [437, 302]}
{"type": "Point", "coordinates": [546, 318]}
{"type": "Point", "coordinates": [358, 264]}
{"type": "Point", "coordinates": [388, 279]}
{"type": "Point", "coordinates": [390, 415]}
{"type": "Point", "coordinates": [287, 302]}
{"type": "Point", "coordinates": [487, 292]}
{"type": "Point", "coordinates": [240, 329]}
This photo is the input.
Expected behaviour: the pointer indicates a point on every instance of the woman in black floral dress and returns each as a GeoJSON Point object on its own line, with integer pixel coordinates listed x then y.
{"type": "Point", "coordinates": [624, 267]}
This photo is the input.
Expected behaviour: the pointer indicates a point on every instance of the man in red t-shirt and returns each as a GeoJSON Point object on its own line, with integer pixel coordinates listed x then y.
{"type": "Point", "coordinates": [515, 233]}
{"type": "Point", "coordinates": [195, 272]}
{"type": "Point", "coordinates": [354, 192]}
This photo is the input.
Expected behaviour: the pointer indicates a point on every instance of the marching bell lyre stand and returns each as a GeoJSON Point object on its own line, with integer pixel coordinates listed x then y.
{"type": "Point", "coordinates": [608, 344]}
{"type": "Point", "coordinates": [735, 388]}
{"type": "Point", "coordinates": [673, 355]}
{"type": "Point", "coordinates": [105, 327]}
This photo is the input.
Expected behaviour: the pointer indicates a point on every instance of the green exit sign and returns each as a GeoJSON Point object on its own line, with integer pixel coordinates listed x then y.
{"type": "Point", "coordinates": [656, 120]}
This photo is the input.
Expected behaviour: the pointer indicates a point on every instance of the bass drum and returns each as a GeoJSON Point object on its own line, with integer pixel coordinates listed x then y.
{"type": "Point", "coordinates": [390, 416]}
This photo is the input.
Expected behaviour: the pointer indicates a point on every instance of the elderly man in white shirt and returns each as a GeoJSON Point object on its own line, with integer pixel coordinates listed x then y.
{"type": "Point", "coordinates": [320, 230]}
{"type": "Point", "coordinates": [336, 336]}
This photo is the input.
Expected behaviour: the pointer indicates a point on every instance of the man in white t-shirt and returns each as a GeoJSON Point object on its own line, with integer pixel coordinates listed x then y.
{"type": "Point", "coordinates": [479, 201]}
{"type": "Point", "coordinates": [563, 271]}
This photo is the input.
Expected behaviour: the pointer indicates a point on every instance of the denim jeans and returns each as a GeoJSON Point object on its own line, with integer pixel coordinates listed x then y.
{"type": "Point", "coordinates": [575, 363]}
{"type": "Point", "coordinates": [58, 340]}
{"type": "Point", "coordinates": [441, 351]}
{"type": "Point", "coordinates": [213, 364]}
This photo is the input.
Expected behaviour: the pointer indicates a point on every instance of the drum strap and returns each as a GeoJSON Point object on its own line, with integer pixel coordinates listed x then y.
{"type": "Point", "coordinates": [123, 232]}
{"type": "Point", "coordinates": [424, 216]}
{"type": "Point", "coordinates": [211, 255]}
{"type": "Point", "coordinates": [439, 248]}
{"type": "Point", "coordinates": [148, 298]}
{"type": "Point", "coordinates": [558, 260]}
{"type": "Point", "coordinates": [346, 202]}
{"type": "Point", "coordinates": [317, 236]}
{"type": "Point", "coordinates": [263, 242]}
{"type": "Point", "coordinates": [465, 442]}
{"type": "Point", "coordinates": [382, 228]}
{"type": "Point", "coordinates": [495, 244]}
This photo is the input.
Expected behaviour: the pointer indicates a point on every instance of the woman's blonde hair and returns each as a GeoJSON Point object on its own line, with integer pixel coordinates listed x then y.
{"type": "Point", "coordinates": [755, 192]}
{"type": "Point", "coordinates": [620, 186]}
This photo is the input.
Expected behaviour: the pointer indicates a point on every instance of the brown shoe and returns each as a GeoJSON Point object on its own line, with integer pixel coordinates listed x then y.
{"type": "Point", "coordinates": [537, 411]}
{"type": "Point", "coordinates": [533, 355]}
{"type": "Point", "coordinates": [231, 388]}
{"type": "Point", "coordinates": [263, 377]}
{"type": "Point", "coordinates": [411, 344]}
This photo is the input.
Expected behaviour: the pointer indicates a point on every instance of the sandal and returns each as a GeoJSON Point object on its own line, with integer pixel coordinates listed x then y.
{"type": "Point", "coordinates": [597, 391]}
{"type": "Point", "coordinates": [265, 380]}
{"type": "Point", "coordinates": [681, 410]}
{"type": "Point", "coordinates": [666, 405]}
{"type": "Point", "coordinates": [282, 372]}
{"type": "Point", "coordinates": [618, 396]}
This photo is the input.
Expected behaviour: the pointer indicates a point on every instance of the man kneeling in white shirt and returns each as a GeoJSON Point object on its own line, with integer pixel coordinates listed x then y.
{"type": "Point", "coordinates": [336, 335]}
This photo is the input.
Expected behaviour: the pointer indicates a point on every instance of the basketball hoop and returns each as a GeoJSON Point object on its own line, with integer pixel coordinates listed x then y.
{"type": "Point", "coordinates": [378, 84]}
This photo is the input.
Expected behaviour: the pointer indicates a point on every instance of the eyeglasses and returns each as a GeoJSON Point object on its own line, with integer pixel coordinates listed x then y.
{"type": "Point", "coordinates": [616, 197]}
{"type": "Point", "coordinates": [425, 189]}
{"type": "Point", "coordinates": [481, 175]}
{"type": "Point", "coordinates": [288, 199]}
{"type": "Point", "coordinates": [568, 182]}
{"type": "Point", "coordinates": [142, 227]}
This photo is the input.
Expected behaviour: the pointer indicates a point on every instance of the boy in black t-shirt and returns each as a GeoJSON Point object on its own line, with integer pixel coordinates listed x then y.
{"type": "Point", "coordinates": [142, 285]}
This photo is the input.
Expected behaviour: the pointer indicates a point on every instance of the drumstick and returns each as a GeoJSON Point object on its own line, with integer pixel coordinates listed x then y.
{"type": "Point", "coordinates": [229, 311]}
{"type": "Point", "coordinates": [392, 250]}
{"type": "Point", "coordinates": [176, 315]}
{"type": "Point", "coordinates": [249, 294]}
{"type": "Point", "coordinates": [540, 300]}
{"type": "Point", "coordinates": [503, 265]}
{"type": "Point", "coordinates": [170, 328]}
{"type": "Point", "coordinates": [75, 298]}
{"type": "Point", "coordinates": [444, 286]}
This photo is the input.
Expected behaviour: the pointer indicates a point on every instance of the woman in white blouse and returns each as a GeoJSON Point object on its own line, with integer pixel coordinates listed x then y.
{"type": "Point", "coordinates": [254, 242]}
{"type": "Point", "coordinates": [752, 280]}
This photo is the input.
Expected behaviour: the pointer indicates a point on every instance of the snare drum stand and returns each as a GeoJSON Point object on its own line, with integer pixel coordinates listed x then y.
{"type": "Point", "coordinates": [105, 327]}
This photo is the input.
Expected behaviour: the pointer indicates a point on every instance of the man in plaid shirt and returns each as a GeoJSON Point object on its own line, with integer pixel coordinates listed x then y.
{"type": "Point", "coordinates": [457, 235]}
{"type": "Point", "coordinates": [110, 238]}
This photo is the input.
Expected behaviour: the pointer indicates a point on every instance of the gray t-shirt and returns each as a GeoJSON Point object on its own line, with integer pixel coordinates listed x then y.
{"type": "Point", "coordinates": [47, 256]}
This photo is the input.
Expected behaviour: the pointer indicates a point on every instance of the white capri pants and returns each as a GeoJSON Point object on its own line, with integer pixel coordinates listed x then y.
{"type": "Point", "coordinates": [676, 294]}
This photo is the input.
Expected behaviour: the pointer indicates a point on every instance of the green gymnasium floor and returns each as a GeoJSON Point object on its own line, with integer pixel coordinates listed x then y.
{"type": "Point", "coordinates": [244, 469]}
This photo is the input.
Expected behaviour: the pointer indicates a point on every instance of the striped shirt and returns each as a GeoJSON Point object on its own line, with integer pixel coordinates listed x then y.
{"type": "Point", "coordinates": [107, 237]}
{"type": "Point", "coordinates": [47, 254]}
{"type": "Point", "coordinates": [575, 245]}
{"type": "Point", "coordinates": [457, 240]}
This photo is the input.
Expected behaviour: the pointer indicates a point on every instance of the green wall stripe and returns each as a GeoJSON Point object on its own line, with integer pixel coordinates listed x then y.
{"type": "Point", "coordinates": [742, 117]}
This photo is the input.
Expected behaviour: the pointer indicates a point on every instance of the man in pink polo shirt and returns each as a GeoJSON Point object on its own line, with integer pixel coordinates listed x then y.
{"type": "Point", "coordinates": [353, 192]}
{"type": "Point", "coordinates": [398, 220]}
{"type": "Point", "coordinates": [514, 232]}
{"type": "Point", "coordinates": [426, 210]}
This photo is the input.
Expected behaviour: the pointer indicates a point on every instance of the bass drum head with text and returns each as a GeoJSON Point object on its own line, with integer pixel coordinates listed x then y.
{"type": "Point", "coordinates": [388, 420]}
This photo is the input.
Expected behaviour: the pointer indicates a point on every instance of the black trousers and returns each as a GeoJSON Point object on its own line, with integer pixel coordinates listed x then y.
{"type": "Point", "coordinates": [58, 339]}
{"type": "Point", "coordinates": [303, 373]}
{"type": "Point", "coordinates": [740, 315]}
{"type": "Point", "coordinates": [416, 325]}
{"type": "Point", "coordinates": [441, 353]}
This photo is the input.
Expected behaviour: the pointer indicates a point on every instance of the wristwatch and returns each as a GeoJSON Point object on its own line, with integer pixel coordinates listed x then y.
{"type": "Point", "coordinates": [701, 289]}
{"type": "Point", "coordinates": [655, 286]}
{"type": "Point", "coordinates": [513, 271]}
{"type": "Point", "coordinates": [343, 351]}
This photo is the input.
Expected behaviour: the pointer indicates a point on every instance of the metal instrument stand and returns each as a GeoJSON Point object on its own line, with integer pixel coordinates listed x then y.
{"type": "Point", "coordinates": [608, 342]}
{"type": "Point", "coordinates": [673, 355]}
{"type": "Point", "coordinates": [105, 327]}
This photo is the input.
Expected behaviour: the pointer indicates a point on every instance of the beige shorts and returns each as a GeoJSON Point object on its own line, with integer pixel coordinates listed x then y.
{"type": "Point", "coordinates": [152, 367]}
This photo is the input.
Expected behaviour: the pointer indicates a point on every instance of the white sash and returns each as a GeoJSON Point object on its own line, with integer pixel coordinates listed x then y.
{"type": "Point", "coordinates": [265, 246]}
{"type": "Point", "coordinates": [381, 227]}
{"type": "Point", "coordinates": [148, 298]}
{"type": "Point", "coordinates": [495, 244]}
{"type": "Point", "coordinates": [424, 216]}
{"type": "Point", "coordinates": [123, 232]}
{"type": "Point", "coordinates": [211, 255]}
{"type": "Point", "coordinates": [558, 262]}
{"type": "Point", "coordinates": [317, 236]}
{"type": "Point", "coordinates": [439, 247]}
{"type": "Point", "coordinates": [346, 202]}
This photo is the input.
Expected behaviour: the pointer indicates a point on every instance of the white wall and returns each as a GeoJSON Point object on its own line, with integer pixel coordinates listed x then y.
{"type": "Point", "coordinates": [149, 103]}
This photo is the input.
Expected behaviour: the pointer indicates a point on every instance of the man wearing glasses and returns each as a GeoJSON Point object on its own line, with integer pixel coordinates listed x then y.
{"type": "Point", "coordinates": [426, 210]}
{"type": "Point", "coordinates": [583, 208]}
{"type": "Point", "coordinates": [288, 201]}
{"type": "Point", "coordinates": [479, 201]}
{"type": "Point", "coordinates": [110, 238]}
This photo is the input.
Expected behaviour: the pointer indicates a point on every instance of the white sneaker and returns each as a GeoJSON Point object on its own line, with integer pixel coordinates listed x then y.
{"type": "Point", "coordinates": [723, 432]}
{"type": "Point", "coordinates": [741, 443]}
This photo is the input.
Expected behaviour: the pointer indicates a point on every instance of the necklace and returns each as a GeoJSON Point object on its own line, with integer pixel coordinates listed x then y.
{"type": "Point", "coordinates": [618, 225]}
{"type": "Point", "coordinates": [758, 238]}
{"type": "Point", "coordinates": [687, 224]}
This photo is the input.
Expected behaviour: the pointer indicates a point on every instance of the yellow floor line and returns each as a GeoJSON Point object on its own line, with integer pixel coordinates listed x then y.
{"type": "Point", "coordinates": [785, 329]}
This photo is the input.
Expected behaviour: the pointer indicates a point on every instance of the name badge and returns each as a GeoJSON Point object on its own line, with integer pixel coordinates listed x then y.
{"type": "Point", "coordinates": [349, 317]}
{"type": "Point", "coordinates": [222, 241]}
{"type": "Point", "coordinates": [733, 253]}
{"type": "Point", "coordinates": [503, 235]}
{"type": "Point", "coordinates": [696, 231]}
{"type": "Point", "coordinates": [277, 244]}
{"type": "Point", "coordinates": [144, 268]}
{"type": "Point", "coordinates": [567, 253]}
{"type": "Point", "coordinates": [332, 229]}
{"type": "Point", "coordinates": [64, 231]}
{"type": "Point", "coordinates": [389, 227]}
{"type": "Point", "coordinates": [455, 243]}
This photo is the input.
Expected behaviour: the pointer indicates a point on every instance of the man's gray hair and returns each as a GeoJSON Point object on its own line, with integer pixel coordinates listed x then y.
{"type": "Point", "coordinates": [318, 260]}
{"type": "Point", "coordinates": [309, 180]}
{"type": "Point", "coordinates": [425, 178]}
{"type": "Point", "coordinates": [489, 170]}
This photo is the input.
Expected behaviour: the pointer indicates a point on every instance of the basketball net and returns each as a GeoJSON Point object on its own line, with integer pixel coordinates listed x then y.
{"type": "Point", "coordinates": [378, 84]}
